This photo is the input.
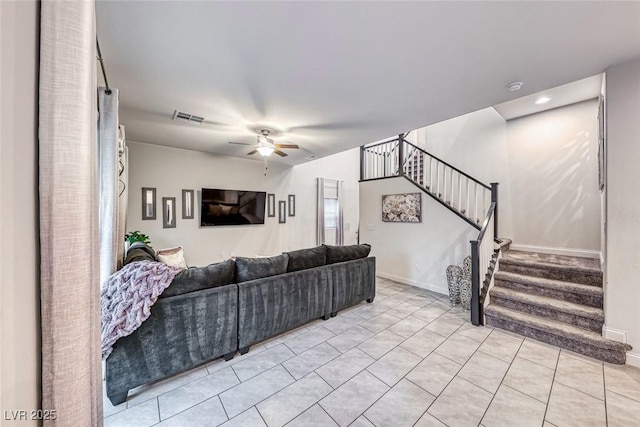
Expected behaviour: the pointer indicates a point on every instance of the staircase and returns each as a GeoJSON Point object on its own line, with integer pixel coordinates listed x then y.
{"type": "Point", "coordinates": [473, 201]}
{"type": "Point", "coordinates": [464, 195]}
{"type": "Point", "coordinates": [555, 299]}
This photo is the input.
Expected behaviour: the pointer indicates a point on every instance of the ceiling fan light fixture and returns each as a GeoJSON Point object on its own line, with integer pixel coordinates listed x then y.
{"type": "Point", "coordinates": [265, 150]}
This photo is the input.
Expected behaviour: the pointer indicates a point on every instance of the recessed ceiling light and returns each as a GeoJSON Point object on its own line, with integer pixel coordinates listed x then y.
{"type": "Point", "coordinates": [311, 157]}
{"type": "Point", "coordinates": [543, 100]}
{"type": "Point", "coordinates": [515, 86]}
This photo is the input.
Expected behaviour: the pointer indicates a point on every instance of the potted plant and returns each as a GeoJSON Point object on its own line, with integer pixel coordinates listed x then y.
{"type": "Point", "coordinates": [134, 236]}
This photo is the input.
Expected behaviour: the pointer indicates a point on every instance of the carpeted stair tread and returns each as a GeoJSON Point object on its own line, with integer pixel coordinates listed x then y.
{"type": "Point", "coordinates": [558, 329]}
{"type": "Point", "coordinates": [580, 263]}
{"type": "Point", "coordinates": [562, 268]}
{"type": "Point", "coordinates": [541, 282]}
{"type": "Point", "coordinates": [550, 303]}
{"type": "Point", "coordinates": [551, 266]}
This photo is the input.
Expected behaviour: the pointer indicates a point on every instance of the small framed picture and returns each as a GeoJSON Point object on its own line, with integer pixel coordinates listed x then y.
{"type": "Point", "coordinates": [148, 203]}
{"type": "Point", "coordinates": [292, 205]}
{"type": "Point", "coordinates": [271, 205]}
{"type": "Point", "coordinates": [282, 212]}
{"type": "Point", "coordinates": [187, 204]}
{"type": "Point", "coordinates": [168, 212]}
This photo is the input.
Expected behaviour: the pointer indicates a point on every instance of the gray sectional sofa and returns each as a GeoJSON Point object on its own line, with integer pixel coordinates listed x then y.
{"type": "Point", "coordinates": [214, 311]}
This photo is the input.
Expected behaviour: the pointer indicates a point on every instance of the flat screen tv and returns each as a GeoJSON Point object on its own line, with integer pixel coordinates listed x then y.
{"type": "Point", "coordinates": [231, 207]}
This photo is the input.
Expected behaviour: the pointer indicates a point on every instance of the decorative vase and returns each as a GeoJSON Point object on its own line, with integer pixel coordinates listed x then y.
{"type": "Point", "coordinates": [454, 274]}
{"type": "Point", "coordinates": [465, 293]}
{"type": "Point", "coordinates": [466, 268]}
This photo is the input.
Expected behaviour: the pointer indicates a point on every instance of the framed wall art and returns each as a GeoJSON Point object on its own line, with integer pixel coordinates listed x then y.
{"type": "Point", "coordinates": [168, 212]}
{"type": "Point", "coordinates": [271, 205]}
{"type": "Point", "coordinates": [282, 212]}
{"type": "Point", "coordinates": [292, 204]}
{"type": "Point", "coordinates": [187, 204]}
{"type": "Point", "coordinates": [148, 203]}
{"type": "Point", "coordinates": [405, 207]}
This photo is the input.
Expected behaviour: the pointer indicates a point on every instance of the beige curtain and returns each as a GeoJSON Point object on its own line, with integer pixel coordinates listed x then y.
{"type": "Point", "coordinates": [70, 290]}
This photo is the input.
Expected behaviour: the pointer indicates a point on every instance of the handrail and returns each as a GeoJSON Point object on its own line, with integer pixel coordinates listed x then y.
{"type": "Point", "coordinates": [449, 165]}
{"type": "Point", "coordinates": [477, 301]}
{"type": "Point", "coordinates": [485, 223]}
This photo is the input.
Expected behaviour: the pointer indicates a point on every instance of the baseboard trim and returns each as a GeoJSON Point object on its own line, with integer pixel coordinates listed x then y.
{"type": "Point", "coordinates": [633, 359]}
{"type": "Point", "coordinates": [437, 289]}
{"type": "Point", "coordinates": [556, 251]}
{"type": "Point", "coordinates": [614, 334]}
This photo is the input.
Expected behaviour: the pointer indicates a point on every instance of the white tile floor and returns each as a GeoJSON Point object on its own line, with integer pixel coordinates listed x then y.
{"type": "Point", "coordinates": [408, 359]}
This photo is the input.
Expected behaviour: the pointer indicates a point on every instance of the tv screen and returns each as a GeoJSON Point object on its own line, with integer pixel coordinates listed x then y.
{"type": "Point", "coordinates": [231, 207]}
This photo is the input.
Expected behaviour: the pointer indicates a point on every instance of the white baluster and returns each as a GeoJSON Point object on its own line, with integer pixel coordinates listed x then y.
{"type": "Point", "coordinates": [430, 173]}
{"type": "Point", "coordinates": [367, 164]}
{"type": "Point", "coordinates": [459, 191]}
{"type": "Point", "coordinates": [476, 197]}
{"type": "Point", "coordinates": [451, 195]}
{"type": "Point", "coordinates": [444, 184]}
{"type": "Point", "coordinates": [466, 206]}
{"type": "Point", "coordinates": [485, 206]}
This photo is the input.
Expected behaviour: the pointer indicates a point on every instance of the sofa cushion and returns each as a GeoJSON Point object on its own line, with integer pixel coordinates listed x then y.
{"type": "Point", "coordinates": [198, 278]}
{"type": "Point", "coordinates": [256, 268]}
{"type": "Point", "coordinates": [140, 252]}
{"type": "Point", "coordinates": [307, 258]}
{"type": "Point", "coordinates": [346, 253]}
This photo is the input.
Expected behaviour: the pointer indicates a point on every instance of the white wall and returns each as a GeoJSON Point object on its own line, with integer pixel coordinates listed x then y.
{"type": "Point", "coordinates": [343, 166]}
{"type": "Point", "coordinates": [413, 253]}
{"type": "Point", "coordinates": [546, 165]}
{"type": "Point", "coordinates": [553, 168]}
{"type": "Point", "coordinates": [475, 143]}
{"type": "Point", "coordinates": [19, 274]}
{"type": "Point", "coordinates": [170, 170]}
{"type": "Point", "coordinates": [622, 290]}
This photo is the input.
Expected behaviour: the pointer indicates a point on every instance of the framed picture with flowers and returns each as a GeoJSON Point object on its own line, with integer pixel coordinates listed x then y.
{"type": "Point", "coordinates": [405, 207]}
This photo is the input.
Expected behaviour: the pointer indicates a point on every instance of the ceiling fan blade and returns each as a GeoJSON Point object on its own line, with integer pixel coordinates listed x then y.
{"type": "Point", "coordinates": [238, 143]}
{"type": "Point", "coordinates": [252, 152]}
{"type": "Point", "coordinates": [293, 146]}
{"type": "Point", "coordinates": [280, 153]}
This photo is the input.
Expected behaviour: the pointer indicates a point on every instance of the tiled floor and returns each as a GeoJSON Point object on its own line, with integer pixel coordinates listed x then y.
{"type": "Point", "coordinates": [408, 359]}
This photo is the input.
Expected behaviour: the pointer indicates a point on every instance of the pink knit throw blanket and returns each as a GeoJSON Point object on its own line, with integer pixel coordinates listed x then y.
{"type": "Point", "coordinates": [127, 297]}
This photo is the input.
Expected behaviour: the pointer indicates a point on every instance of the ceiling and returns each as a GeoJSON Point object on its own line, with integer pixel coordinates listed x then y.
{"type": "Point", "coordinates": [330, 76]}
{"type": "Point", "coordinates": [559, 96]}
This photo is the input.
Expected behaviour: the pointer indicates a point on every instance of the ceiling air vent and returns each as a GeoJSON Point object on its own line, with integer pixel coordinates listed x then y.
{"type": "Point", "coordinates": [180, 115]}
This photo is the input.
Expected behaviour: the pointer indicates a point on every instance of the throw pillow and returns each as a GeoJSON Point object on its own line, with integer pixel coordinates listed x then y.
{"type": "Point", "coordinates": [172, 256]}
{"type": "Point", "coordinates": [256, 268]}
{"type": "Point", "coordinates": [307, 258]}
{"type": "Point", "coordinates": [140, 252]}
{"type": "Point", "coordinates": [198, 278]}
{"type": "Point", "coordinates": [346, 253]}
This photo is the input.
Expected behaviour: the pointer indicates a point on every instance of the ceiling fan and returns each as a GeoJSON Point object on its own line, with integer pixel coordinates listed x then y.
{"type": "Point", "coordinates": [265, 145]}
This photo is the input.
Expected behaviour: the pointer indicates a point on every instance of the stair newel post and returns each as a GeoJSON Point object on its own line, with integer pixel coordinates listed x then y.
{"type": "Point", "coordinates": [361, 162]}
{"type": "Point", "coordinates": [494, 199]}
{"type": "Point", "coordinates": [400, 155]}
{"type": "Point", "coordinates": [476, 310]}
